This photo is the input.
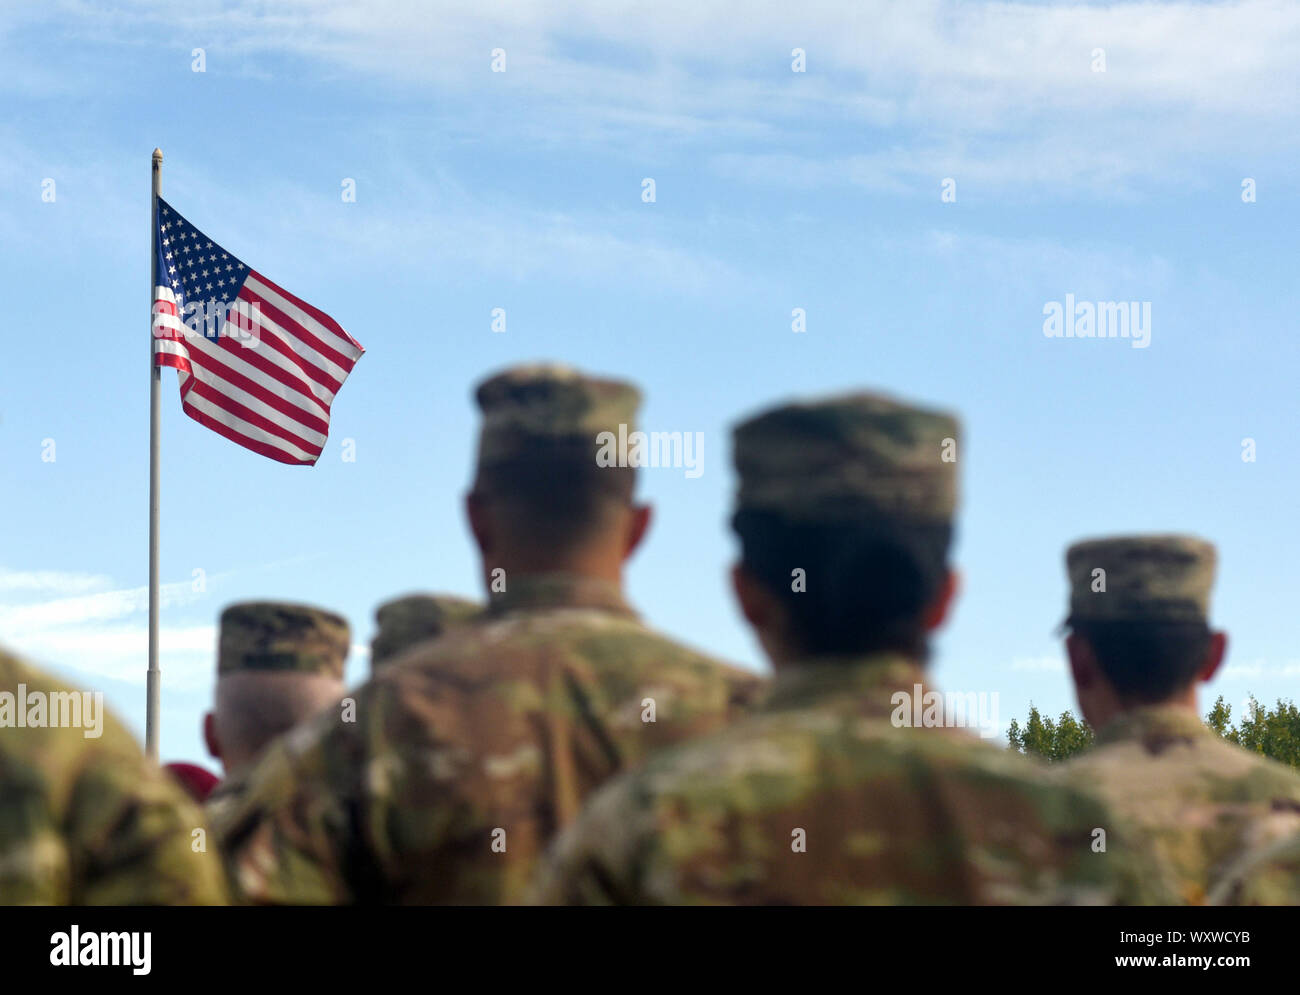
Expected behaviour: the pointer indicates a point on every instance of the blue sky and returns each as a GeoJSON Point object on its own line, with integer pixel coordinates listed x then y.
{"type": "Point", "coordinates": [775, 190]}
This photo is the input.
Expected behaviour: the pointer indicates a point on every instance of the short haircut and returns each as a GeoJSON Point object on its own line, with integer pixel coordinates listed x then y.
{"type": "Point", "coordinates": [1146, 661]}
{"type": "Point", "coordinates": [868, 581]}
{"type": "Point", "coordinates": [252, 708]}
{"type": "Point", "coordinates": [557, 493]}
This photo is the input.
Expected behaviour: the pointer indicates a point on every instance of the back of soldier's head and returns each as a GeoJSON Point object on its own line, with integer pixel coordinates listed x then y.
{"type": "Point", "coordinates": [404, 622]}
{"type": "Point", "coordinates": [543, 452]}
{"type": "Point", "coordinates": [844, 514]}
{"type": "Point", "coordinates": [1142, 605]}
{"type": "Point", "coordinates": [277, 665]}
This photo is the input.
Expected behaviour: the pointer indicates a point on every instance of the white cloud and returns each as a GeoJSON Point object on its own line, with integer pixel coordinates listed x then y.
{"type": "Point", "coordinates": [120, 652]}
{"type": "Point", "coordinates": [105, 633]}
{"type": "Point", "coordinates": [18, 620]}
{"type": "Point", "coordinates": [50, 582]}
{"type": "Point", "coordinates": [1261, 668]}
{"type": "Point", "coordinates": [992, 92]}
{"type": "Point", "coordinates": [1039, 664]}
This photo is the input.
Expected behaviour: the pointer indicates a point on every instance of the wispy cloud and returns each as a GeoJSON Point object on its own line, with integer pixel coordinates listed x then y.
{"type": "Point", "coordinates": [1039, 664]}
{"type": "Point", "coordinates": [119, 652]}
{"type": "Point", "coordinates": [79, 621]}
{"type": "Point", "coordinates": [996, 93]}
{"type": "Point", "coordinates": [45, 582]}
{"type": "Point", "coordinates": [102, 606]}
{"type": "Point", "coordinates": [1261, 668]}
{"type": "Point", "coordinates": [82, 622]}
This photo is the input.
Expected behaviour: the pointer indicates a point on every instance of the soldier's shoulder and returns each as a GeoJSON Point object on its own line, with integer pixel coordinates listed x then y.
{"type": "Point", "coordinates": [869, 791]}
{"type": "Point", "coordinates": [101, 796]}
{"type": "Point", "coordinates": [98, 734]}
{"type": "Point", "coordinates": [1268, 875]}
{"type": "Point", "coordinates": [797, 743]}
{"type": "Point", "coordinates": [602, 640]}
{"type": "Point", "coordinates": [640, 652]}
{"type": "Point", "coordinates": [223, 801]}
{"type": "Point", "coordinates": [1223, 770]}
{"type": "Point", "coordinates": [1257, 770]}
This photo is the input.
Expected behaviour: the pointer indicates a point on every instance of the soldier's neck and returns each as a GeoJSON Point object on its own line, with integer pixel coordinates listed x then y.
{"type": "Point", "coordinates": [238, 764]}
{"type": "Point", "coordinates": [607, 569]}
{"type": "Point", "coordinates": [1184, 700]}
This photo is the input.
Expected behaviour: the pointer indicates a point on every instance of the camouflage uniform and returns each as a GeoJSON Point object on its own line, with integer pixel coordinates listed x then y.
{"type": "Point", "coordinates": [273, 637]}
{"type": "Point", "coordinates": [470, 751]}
{"type": "Point", "coordinates": [822, 798]}
{"type": "Point", "coordinates": [223, 798]}
{"type": "Point", "coordinates": [408, 620]}
{"type": "Point", "coordinates": [1201, 800]}
{"type": "Point", "coordinates": [1267, 876]}
{"type": "Point", "coordinates": [90, 821]}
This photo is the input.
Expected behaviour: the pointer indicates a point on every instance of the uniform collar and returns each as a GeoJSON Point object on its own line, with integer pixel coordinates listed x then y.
{"type": "Point", "coordinates": [1153, 725]}
{"type": "Point", "coordinates": [234, 781]}
{"type": "Point", "coordinates": [558, 590]}
{"type": "Point", "coordinates": [808, 680]}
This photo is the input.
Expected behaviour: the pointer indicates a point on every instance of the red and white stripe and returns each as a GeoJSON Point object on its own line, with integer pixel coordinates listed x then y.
{"type": "Point", "coordinates": [267, 382]}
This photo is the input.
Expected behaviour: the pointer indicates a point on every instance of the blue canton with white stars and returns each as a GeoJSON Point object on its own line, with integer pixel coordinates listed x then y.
{"type": "Point", "coordinates": [205, 278]}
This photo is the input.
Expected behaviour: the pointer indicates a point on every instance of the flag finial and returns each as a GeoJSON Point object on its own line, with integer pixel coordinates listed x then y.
{"type": "Point", "coordinates": [157, 155]}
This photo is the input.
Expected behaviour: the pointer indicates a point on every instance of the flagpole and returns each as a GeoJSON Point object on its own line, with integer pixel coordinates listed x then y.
{"type": "Point", "coordinates": [153, 678]}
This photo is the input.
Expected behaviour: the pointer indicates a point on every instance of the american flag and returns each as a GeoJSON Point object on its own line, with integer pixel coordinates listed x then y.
{"type": "Point", "coordinates": [255, 363]}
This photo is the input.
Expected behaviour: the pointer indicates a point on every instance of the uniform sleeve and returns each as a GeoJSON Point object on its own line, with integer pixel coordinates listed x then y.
{"type": "Point", "coordinates": [602, 858]}
{"type": "Point", "coordinates": [292, 837]}
{"type": "Point", "coordinates": [133, 837]}
{"type": "Point", "coordinates": [1268, 876]}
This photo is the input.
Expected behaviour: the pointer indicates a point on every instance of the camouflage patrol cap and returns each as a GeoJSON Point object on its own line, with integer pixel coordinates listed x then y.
{"type": "Point", "coordinates": [1156, 577]}
{"type": "Point", "coordinates": [846, 457]}
{"type": "Point", "coordinates": [414, 618]}
{"type": "Point", "coordinates": [526, 406]}
{"type": "Point", "coordinates": [275, 636]}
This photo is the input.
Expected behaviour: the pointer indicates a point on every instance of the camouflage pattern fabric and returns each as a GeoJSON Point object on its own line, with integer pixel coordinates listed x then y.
{"type": "Point", "coordinates": [403, 622]}
{"type": "Point", "coordinates": [469, 752]}
{"type": "Point", "coordinates": [526, 406]}
{"type": "Point", "coordinates": [844, 457]}
{"type": "Point", "coordinates": [822, 800]}
{"type": "Point", "coordinates": [90, 821]}
{"type": "Point", "coordinates": [224, 799]}
{"type": "Point", "coordinates": [1155, 577]}
{"type": "Point", "coordinates": [277, 636]}
{"type": "Point", "coordinates": [1267, 876]}
{"type": "Point", "coordinates": [1203, 803]}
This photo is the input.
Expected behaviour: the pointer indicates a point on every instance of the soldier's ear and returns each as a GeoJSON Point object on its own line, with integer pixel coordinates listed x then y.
{"type": "Point", "coordinates": [639, 516]}
{"type": "Point", "coordinates": [937, 611]}
{"type": "Point", "coordinates": [480, 522]}
{"type": "Point", "coordinates": [1083, 665]}
{"type": "Point", "coordinates": [1214, 655]}
{"type": "Point", "coordinates": [210, 739]}
{"type": "Point", "coordinates": [758, 607]}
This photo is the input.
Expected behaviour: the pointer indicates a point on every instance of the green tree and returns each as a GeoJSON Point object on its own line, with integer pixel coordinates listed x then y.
{"type": "Point", "coordinates": [1270, 732]}
{"type": "Point", "coordinates": [1219, 717]}
{"type": "Point", "coordinates": [1051, 740]}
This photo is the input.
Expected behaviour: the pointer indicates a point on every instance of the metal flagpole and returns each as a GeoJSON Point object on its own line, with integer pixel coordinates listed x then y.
{"type": "Point", "coordinates": [153, 678]}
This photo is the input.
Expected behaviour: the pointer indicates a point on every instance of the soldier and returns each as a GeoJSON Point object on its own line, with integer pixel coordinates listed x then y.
{"type": "Point", "coordinates": [277, 666]}
{"type": "Point", "coordinates": [1138, 646]}
{"type": "Point", "coordinates": [834, 794]}
{"type": "Point", "coordinates": [1269, 875]}
{"type": "Point", "coordinates": [469, 752]}
{"type": "Point", "coordinates": [408, 620]}
{"type": "Point", "coordinates": [86, 819]}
